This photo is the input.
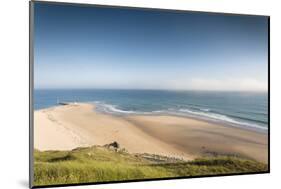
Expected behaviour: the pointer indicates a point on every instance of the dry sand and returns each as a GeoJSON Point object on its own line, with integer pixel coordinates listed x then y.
{"type": "Point", "coordinates": [76, 125]}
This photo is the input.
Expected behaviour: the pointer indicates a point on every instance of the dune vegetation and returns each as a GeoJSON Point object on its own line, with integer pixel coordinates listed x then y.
{"type": "Point", "coordinates": [107, 163]}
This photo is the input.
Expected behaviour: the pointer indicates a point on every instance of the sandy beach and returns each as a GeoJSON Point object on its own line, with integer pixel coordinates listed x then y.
{"type": "Point", "coordinates": [76, 125]}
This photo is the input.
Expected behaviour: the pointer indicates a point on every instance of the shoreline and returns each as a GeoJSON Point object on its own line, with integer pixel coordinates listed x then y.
{"type": "Point", "coordinates": [258, 129]}
{"type": "Point", "coordinates": [78, 125]}
{"type": "Point", "coordinates": [207, 120]}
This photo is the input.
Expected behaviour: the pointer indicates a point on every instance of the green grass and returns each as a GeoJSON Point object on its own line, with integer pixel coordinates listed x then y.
{"type": "Point", "coordinates": [100, 164]}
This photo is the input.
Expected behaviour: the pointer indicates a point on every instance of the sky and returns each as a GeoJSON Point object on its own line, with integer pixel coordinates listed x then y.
{"type": "Point", "coordinates": [109, 48]}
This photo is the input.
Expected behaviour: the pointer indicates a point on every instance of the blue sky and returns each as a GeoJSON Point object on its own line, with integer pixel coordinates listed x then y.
{"type": "Point", "coordinates": [90, 47]}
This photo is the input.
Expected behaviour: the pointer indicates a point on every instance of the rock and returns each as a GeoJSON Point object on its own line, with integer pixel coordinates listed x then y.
{"type": "Point", "coordinates": [114, 145]}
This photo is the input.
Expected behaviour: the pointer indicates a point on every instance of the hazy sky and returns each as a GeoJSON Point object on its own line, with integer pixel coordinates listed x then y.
{"type": "Point", "coordinates": [89, 47]}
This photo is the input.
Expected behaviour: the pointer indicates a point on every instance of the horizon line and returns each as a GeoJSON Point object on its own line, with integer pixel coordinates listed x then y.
{"type": "Point", "coordinates": [149, 89]}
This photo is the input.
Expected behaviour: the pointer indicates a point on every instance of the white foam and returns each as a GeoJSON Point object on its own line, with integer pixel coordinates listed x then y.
{"type": "Point", "coordinates": [112, 108]}
{"type": "Point", "coordinates": [205, 109]}
{"type": "Point", "coordinates": [203, 113]}
{"type": "Point", "coordinates": [220, 117]}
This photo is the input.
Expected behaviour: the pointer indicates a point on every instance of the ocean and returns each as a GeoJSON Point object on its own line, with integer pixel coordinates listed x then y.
{"type": "Point", "coordinates": [244, 109]}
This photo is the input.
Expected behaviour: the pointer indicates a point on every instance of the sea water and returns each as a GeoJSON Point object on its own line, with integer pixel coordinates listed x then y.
{"type": "Point", "coordinates": [245, 109]}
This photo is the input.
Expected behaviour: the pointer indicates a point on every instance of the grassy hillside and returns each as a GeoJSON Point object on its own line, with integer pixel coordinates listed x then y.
{"type": "Point", "coordinates": [97, 164]}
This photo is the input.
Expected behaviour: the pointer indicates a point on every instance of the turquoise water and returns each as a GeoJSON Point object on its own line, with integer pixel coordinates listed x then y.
{"type": "Point", "coordinates": [246, 109]}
